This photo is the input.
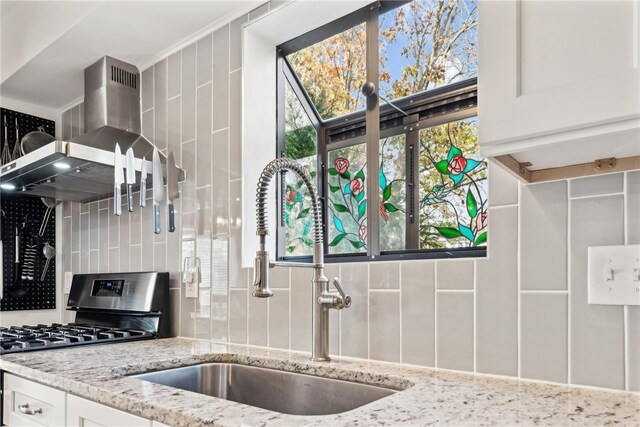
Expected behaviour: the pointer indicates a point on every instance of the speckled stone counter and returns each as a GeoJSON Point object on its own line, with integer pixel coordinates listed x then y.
{"type": "Point", "coordinates": [429, 396]}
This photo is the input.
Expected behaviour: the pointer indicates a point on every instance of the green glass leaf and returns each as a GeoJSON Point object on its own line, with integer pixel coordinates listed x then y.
{"type": "Point", "coordinates": [386, 194]}
{"type": "Point", "coordinates": [360, 195]}
{"type": "Point", "coordinates": [360, 175]}
{"type": "Point", "coordinates": [356, 244]}
{"type": "Point", "coordinates": [291, 249]}
{"type": "Point", "coordinates": [307, 241]}
{"type": "Point", "coordinates": [333, 171]}
{"type": "Point", "coordinates": [449, 232]}
{"type": "Point", "coordinates": [340, 208]}
{"type": "Point", "coordinates": [466, 232]}
{"type": "Point", "coordinates": [442, 167]}
{"type": "Point", "coordinates": [304, 213]}
{"type": "Point", "coordinates": [472, 206]}
{"type": "Point", "coordinates": [334, 188]}
{"type": "Point", "coordinates": [390, 207]}
{"type": "Point", "coordinates": [362, 209]}
{"type": "Point", "coordinates": [337, 239]}
{"type": "Point", "coordinates": [481, 238]}
{"type": "Point", "coordinates": [453, 151]}
{"type": "Point", "coordinates": [345, 175]}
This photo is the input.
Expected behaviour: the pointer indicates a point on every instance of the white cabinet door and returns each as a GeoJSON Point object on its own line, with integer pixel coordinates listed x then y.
{"type": "Point", "coordinates": [556, 71]}
{"type": "Point", "coordinates": [85, 413]}
{"type": "Point", "coordinates": [26, 403]}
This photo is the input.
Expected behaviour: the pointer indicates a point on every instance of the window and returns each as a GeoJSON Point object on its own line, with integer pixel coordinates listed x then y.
{"type": "Point", "coordinates": [397, 165]}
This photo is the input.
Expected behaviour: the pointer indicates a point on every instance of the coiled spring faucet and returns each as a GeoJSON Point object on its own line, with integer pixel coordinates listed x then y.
{"type": "Point", "coordinates": [323, 299]}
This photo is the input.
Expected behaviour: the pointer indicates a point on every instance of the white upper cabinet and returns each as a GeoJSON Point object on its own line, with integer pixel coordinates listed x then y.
{"type": "Point", "coordinates": [559, 80]}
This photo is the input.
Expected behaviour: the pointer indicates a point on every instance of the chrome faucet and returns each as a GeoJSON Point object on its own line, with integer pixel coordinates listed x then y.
{"type": "Point", "coordinates": [323, 299]}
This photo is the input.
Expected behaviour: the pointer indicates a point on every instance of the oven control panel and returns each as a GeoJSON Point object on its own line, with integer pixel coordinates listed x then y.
{"type": "Point", "coordinates": [107, 288]}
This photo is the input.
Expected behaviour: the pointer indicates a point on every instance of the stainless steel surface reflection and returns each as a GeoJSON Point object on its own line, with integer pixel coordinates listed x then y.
{"type": "Point", "coordinates": [280, 391]}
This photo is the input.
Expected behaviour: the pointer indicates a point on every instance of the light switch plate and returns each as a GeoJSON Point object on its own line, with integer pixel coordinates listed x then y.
{"type": "Point", "coordinates": [68, 278]}
{"type": "Point", "coordinates": [613, 275]}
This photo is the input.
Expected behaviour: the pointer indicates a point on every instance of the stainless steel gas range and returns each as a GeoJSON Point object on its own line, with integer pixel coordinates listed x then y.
{"type": "Point", "coordinates": [110, 308]}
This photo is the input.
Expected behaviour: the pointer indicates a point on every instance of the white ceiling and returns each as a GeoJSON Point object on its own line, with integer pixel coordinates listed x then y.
{"type": "Point", "coordinates": [138, 32]}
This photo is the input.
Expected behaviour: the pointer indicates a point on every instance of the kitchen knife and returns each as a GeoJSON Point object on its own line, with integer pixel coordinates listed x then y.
{"type": "Point", "coordinates": [143, 183]}
{"type": "Point", "coordinates": [172, 190]}
{"type": "Point", "coordinates": [158, 190]}
{"type": "Point", "coordinates": [131, 177]}
{"type": "Point", "coordinates": [118, 180]}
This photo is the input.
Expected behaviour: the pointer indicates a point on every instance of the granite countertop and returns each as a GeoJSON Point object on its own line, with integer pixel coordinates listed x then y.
{"type": "Point", "coordinates": [98, 372]}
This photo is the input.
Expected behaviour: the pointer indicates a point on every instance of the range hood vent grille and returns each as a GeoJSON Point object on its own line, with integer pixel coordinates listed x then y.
{"type": "Point", "coordinates": [123, 77]}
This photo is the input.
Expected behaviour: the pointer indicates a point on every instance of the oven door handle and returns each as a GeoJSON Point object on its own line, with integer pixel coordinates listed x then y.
{"type": "Point", "coordinates": [24, 409]}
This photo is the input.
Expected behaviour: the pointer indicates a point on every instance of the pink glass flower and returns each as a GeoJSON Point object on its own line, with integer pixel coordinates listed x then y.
{"type": "Point", "coordinates": [363, 232]}
{"type": "Point", "coordinates": [457, 165]}
{"type": "Point", "coordinates": [341, 164]}
{"type": "Point", "coordinates": [481, 220]}
{"type": "Point", "coordinates": [356, 186]}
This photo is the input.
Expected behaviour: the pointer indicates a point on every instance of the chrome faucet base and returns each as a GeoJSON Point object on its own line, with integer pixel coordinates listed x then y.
{"type": "Point", "coordinates": [323, 299]}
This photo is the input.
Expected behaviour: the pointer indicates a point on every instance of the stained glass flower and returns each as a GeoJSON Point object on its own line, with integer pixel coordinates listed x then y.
{"type": "Point", "coordinates": [341, 164]}
{"type": "Point", "coordinates": [383, 212]}
{"type": "Point", "coordinates": [356, 186]}
{"type": "Point", "coordinates": [363, 232]}
{"type": "Point", "coordinates": [456, 165]}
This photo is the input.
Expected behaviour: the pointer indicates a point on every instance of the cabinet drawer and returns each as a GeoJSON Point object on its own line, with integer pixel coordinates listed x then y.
{"type": "Point", "coordinates": [26, 403]}
{"type": "Point", "coordinates": [84, 413]}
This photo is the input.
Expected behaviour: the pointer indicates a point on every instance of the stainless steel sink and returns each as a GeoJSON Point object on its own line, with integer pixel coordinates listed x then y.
{"type": "Point", "coordinates": [280, 391]}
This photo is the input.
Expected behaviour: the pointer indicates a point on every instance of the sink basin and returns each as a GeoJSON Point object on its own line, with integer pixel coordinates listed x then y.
{"type": "Point", "coordinates": [280, 391]}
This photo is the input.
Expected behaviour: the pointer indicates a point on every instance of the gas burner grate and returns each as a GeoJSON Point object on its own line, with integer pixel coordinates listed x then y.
{"type": "Point", "coordinates": [41, 337]}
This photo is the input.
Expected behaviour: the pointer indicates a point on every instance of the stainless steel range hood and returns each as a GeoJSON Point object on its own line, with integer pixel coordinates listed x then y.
{"type": "Point", "coordinates": [81, 169]}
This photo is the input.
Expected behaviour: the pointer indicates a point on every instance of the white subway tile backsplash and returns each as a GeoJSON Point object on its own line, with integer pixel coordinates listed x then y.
{"type": "Point", "coordinates": [633, 351]}
{"type": "Point", "coordinates": [188, 93]}
{"type": "Point", "coordinates": [384, 331]}
{"type": "Point", "coordinates": [174, 124]}
{"type": "Point", "coordinates": [454, 345]}
{"type": "Point", "coordinates": [174, 75]}
{"type": "Point", "coordinates": [543, 243]}
{"type": "Point", "coordinates": [596, 331]}
{"type": "Point", "coordinates": [147, 89]}
{"type": "Point", "coordinates": [221, 78]}
{"type": "Point", "coordinates": [418, 313]}
{"type": "Point", "coordinates": [632, 214]}
{"type": "Point", "coordinates": [503, 188]}
{"type": "Point", "coordinates": [160, 104]}
{"type": "Point", "coordinates": [354, 320]}
{"type": "Point", "coordinates": [455, 274]}
{"type": "Point", "coordinates": [204, 48]}
{"type": "Point", "coordinates": [235, 125]}
{"type": "Point", "coordinates": [301, 298]}
{"type": "Point", "coordinates": [203, 136]}
{"type": "Point", "coordinates": [497, 297]}
{"type": "Point", "coordinates": [238, 316]}
{"type": "Point", "coordinates": [544, 336]}
{"type": "Point", "coordinates": [258, 321]}
{"type": "Point", "coordinates": [235, 42]}
{"type": "Point", "coordinates": [384, 275]}
{"type": "Point", "coordinates": [279, 319]}
{"type": "Point", "coordinates": [596, 185]}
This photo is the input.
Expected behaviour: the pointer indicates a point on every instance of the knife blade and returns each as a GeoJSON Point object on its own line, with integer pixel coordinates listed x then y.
{"type": "Point", "coordinates": [118, 180]}
{"type": "Point", "coordinates": [172, 191]}
{"type": "Point", "coordinates": [158, 190]}
{"type": "Point", "coordinates": [143, 183]}
{"type": "Point", "coordinates": [131, 177]}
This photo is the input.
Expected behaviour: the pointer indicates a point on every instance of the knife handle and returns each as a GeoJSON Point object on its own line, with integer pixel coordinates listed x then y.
{"type": "Point", "coordinates": [172, 224]}
{"type": "Point", "coordinates": [117, 200]}
{"type": "Point", "coordinates": [156, 218]}
{"type": "Point", "coordinates": [143, 193]}
{"type": "Point", "coordinates": [130, 196]}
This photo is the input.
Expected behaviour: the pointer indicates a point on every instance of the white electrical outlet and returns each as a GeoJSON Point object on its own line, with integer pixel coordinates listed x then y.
{"type": "Point", "coordinates": [191, 277]}
{"type": "Point", "coordinates": [68, 278]}
{"type": "Point", "coordinates": [614, 275]}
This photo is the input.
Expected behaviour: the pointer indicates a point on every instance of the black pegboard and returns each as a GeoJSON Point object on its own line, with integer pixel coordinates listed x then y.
{"type": "Point", "coordinates": [27, 210]}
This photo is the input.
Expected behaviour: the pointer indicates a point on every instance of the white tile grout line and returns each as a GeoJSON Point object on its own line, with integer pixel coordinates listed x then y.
{"type": "Point", "coordinates": [368, 311]}
{"type": "Point", "coordinates": [519, 280]}
{"type": "Point", "coordinates": [568, 282]}
{"type": "Point", "coordinates": [625, 310]}
{"type": "Point", "coordinates": [435, 314]}
{"type": "Point", "coordinates": [591, 196]}
{"type": "Point", "coordinates": [458, 291]}
{"type": "Point", "coordinates": [544, 291]}
{"type": "Point", "coordinates": [475, 316]}
{"type": "Point", "coordinates": [400, 330]}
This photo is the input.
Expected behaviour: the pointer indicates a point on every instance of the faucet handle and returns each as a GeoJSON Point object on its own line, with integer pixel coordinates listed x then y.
{"type": "Point", "coordinates": [345, 299]}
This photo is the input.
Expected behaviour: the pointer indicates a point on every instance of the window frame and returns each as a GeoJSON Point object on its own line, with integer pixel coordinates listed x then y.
{"type": "Point", "coordinates": [441, 105]}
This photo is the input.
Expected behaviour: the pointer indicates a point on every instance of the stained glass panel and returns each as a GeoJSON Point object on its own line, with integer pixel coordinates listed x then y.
{"type": "Point", "coordinates": [392, 193]}
{"type": "Point", "coordinates": [300, 144]}
{"type": "Point", "coordinates": [347, 213]}
{"type": "Point", "coordinates": [453, 187]}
